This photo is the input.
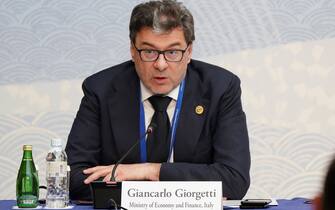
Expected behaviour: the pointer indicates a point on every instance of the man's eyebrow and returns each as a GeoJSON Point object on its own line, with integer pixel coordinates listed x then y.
{"type": "Point", "coordinates": [153, 46]}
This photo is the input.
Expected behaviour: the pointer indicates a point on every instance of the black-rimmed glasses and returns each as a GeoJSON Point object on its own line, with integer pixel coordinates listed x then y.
{"type": "Point", "coordinates": [151, 55]}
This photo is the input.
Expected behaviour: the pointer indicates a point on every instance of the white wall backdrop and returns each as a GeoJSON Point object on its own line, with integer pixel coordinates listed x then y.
{"type": "Point", "coordinates": [281, 49]}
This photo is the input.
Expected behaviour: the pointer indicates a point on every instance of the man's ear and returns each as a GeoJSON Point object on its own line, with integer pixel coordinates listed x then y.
{"type": "Point", "coordinates": [317, 203]}
{"type": "Point", "coordinates": [189, 52]}
{"type": "Point", "coordinates": [132, 51]}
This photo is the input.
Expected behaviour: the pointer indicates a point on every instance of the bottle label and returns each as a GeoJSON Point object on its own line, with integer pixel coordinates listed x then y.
{"type": "Point", "coordinates": [27, 201]}
{"type": "Point", "coordinates": [57, 169]}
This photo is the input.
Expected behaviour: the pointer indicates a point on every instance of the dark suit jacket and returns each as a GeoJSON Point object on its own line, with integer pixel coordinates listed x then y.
{"type": "Point", "coordinates": [210, 146]}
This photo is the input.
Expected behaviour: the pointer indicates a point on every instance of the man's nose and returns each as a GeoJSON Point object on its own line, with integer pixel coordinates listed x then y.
{"type": "Point", "coordinates": [160, 63]}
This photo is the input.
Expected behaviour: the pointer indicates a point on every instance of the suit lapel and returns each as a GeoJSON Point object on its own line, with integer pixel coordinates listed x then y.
{"type": "Point", "coordinates": [191, 119]}
{"type": "Point", "coordinates": [124, 114]}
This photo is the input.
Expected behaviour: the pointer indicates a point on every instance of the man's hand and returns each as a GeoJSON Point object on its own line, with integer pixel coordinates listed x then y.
{"type": "Point", "coordinates": [139, 171]}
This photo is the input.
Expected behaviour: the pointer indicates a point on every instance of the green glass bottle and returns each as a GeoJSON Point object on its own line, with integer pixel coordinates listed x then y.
{"type": "Point", "coordinates": [27, 181]}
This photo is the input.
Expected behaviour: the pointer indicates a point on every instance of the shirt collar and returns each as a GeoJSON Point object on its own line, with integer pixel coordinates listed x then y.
{"type": "Point", "coordinates": [146, 93]}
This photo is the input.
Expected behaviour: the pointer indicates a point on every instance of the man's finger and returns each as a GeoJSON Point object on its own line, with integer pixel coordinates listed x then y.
{"type": "Point", "coordinates": [107, 178]}
{"type": "Point", "coordinates": [91, 178]}
{"type": "Point", "coordinates": [94, 169]}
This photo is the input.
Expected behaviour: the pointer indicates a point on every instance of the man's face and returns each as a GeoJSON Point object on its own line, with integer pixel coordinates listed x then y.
{"type": "Point", "coordinates": [161, 76]}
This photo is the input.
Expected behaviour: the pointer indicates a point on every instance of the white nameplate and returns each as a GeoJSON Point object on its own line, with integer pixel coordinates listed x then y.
{"type": "Point", "coordinates": [171, 195]}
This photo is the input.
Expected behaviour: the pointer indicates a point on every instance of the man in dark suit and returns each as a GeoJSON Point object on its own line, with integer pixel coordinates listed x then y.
{"type": "Point", "coordinates": [206, 135]}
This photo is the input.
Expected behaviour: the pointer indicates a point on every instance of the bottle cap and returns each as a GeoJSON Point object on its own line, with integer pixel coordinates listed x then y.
{"type": "Point", "coordinates": [27, 147]}
{"type": "Point", "coordinates": [56, 142]}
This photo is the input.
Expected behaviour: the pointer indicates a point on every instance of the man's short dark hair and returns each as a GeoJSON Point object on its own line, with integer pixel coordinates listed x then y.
{"type": "Point", "coordinates": [329, 188]}
{"type": "Point", "coordinates": [162, 16]}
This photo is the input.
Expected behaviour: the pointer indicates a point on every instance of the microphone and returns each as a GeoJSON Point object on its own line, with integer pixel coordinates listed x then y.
{"type": "Point", "coordinates": [150, 129]}
{"type": "Point", "coordinates": [108, 194]}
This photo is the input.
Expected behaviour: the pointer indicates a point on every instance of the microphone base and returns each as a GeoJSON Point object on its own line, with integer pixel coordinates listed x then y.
{"type": "Point", "coordinates": [105, 195]}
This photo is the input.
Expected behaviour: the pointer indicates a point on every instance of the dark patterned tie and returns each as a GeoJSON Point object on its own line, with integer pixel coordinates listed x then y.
{"type": "Point", "coordinates": [158, 143]}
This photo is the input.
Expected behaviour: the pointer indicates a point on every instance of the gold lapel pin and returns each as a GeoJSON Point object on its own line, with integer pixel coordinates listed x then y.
{"type": "Point", "coordinates": [199, 109]}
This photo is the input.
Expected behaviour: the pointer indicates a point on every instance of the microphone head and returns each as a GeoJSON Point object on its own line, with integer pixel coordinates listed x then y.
{"type": "Point", "coordinates": [151, 127]}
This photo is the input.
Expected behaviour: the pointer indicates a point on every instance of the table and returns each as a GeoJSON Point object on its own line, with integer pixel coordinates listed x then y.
{"type": "Point", "coordinates": [283, 204]}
